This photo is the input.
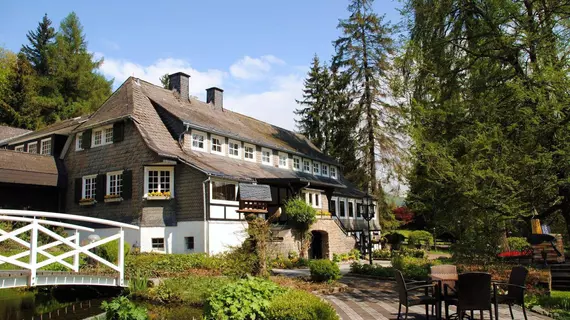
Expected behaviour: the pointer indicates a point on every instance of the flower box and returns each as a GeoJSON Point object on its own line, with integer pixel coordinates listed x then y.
{"type": "Point", "coordinates": [114, 199]}
{"type": "Point", "coordinates": [87, 202]}
{"type": "Point", "coordinates": [158, 197]}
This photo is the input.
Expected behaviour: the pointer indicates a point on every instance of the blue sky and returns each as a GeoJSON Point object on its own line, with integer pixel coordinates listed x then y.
{"type": "Point", "coordinates": [257, 51]}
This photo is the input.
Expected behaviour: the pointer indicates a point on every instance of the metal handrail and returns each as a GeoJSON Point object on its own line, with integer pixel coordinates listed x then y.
{"type": "Point", "coordinates": [339, 224]}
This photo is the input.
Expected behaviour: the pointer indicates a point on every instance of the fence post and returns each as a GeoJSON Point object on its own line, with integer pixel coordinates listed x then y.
{"type": "Point", "coordinates": [76, 257]}
{"type": "Point", "coordinates": [121, 262]}
{"type": "Point", "coordinates": [33, 252]}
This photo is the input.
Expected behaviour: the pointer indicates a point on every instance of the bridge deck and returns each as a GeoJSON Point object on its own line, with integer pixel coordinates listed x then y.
{"type": "Point", "coordinates": [21, 278]}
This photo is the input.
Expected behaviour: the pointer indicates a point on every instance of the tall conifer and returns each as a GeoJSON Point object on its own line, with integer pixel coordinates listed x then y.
{"type": "Point", "coordinates": [37, 52]}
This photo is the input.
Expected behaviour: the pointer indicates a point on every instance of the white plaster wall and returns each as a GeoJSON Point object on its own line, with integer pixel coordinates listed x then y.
{"type": "Point", "coordinates": [174, 237]}
{"type": "Point", "coordinates": [224, 234]}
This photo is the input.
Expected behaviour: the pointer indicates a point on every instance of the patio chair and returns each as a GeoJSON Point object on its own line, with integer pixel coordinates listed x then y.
{"type": "Point", "coordinates": [515, 290]}
{"type": "Point", "coordinates": [446, 271]}
{"type": "Point", "coordinates": [406, 299]}
{"type": "Point", "coordinates": [473, 293]}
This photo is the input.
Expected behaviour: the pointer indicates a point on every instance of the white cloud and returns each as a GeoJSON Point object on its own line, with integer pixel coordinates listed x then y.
{"type": "Point", "coordinates": [272, 100]}
{"type": "Point", "coordinates": [249, 68]}
{"type": "Point", "coordinates": [199, 80]}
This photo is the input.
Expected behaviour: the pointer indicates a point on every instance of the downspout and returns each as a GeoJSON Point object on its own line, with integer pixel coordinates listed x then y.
{"type": "Point", "coordinates": [206, 227]}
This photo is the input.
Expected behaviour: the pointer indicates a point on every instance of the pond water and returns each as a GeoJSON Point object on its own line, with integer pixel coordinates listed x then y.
{"type": "Point", "coordinates": [64, 302]}
{"type": "Point", "coordinates": [77, 303]}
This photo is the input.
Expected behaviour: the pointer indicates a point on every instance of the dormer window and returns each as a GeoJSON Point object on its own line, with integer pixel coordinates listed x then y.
{"type": "Point", "coordinates": [19, 148]}
{"type": "Point", "coordinates": [217, 145]}
{"type": "Point", "coordinates": [333, 172]}
{"type": "Point", "coordinates": [33, 147]}
{"type": "Point", "coordinates": [45, 146]}
{"type": "Point", "coordinates": [283, 160]}
{"type": "Point", "coordinates": [198, 139]}
{"type": "Point", "coordinates": [266, 156]}
{"type": "Point", "coordinates": [249, 152]}
{"type": "Point", "coordinates": [79, 141]}
{"type": "Point", "coordinates": [325, 171]}
{"type": "Point", "coordinates": [307, 166]}
{"type": "Point", "coordinates": [316, 168]}
{"type": "Point", "coordinates": [296, 163]}
{"type": "Point", "coordinates": [234, 149]}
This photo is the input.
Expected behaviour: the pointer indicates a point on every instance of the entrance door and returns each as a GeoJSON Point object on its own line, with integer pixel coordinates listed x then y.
{"type": "Point", "coordinates": [317, 245]}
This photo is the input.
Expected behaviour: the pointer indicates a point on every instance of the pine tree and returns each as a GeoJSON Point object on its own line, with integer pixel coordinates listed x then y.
{"type": "Point", "coordinates": [17, 107]}
{"type": "Point", "coordinates": [313, 116]}
{"type": "Point", "coordinates": [363, 52]}
{"type": "Point", "coordinates": [165, 81]}
{"type": "Point", "coordinates": [40, 41]}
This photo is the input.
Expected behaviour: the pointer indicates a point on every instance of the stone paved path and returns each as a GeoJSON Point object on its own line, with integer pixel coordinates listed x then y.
{"type": "Point", "coordinates": [377, 299]}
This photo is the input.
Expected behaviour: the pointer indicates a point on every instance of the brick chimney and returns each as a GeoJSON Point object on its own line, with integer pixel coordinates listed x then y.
{"type": "Point", "coordinates": [180, 82]}
{"type": "Point", "coordinates": [215, 96]}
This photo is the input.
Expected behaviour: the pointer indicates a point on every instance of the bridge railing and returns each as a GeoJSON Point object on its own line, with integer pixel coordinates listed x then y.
{"type": "Point", "coordinates": [35, 222]}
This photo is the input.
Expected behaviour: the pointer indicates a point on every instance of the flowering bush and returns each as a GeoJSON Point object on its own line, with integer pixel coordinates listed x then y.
{"type": "Point", "coordinates": [403, 214]}
{"type": "Point", "coordinates": [159, 194]}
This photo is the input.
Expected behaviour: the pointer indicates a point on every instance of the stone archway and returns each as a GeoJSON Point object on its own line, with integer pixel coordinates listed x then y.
{"type": "Point", "coordinates": [319, 245]}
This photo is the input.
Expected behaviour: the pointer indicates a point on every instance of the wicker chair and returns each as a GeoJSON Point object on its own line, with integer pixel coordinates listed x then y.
{"type": "Point", "coordinates": [473, 293]}
{"type": "Point", "coordinates": [408, 300]}
{"type": "Point", "coordinates": [515, 290]}
{"type": "Point", "coordinates": [446, 271]}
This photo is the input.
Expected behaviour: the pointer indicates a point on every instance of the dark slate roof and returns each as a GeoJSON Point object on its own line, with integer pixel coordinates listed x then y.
{"type": "Point", "coordinates": [351, 224]}
{"type": "Point", "coordinates": [351, 190]}
{"type": "Point", "coordinates": [62, 127]}
{"type": "Point", "coordinates": [7, 132]}
{"type": "Point", "coordinates": [254, 192]}
{"type": "Point", "coordinates": [27, 168]}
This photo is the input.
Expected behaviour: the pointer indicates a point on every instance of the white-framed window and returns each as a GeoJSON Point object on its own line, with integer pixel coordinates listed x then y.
{"type": "Point", "coordinates": [342, 207]}
{"type": "Point", "coordinates": [114, 183]}
{"type": "Point", "coordinates": [325, 170]}
{"type": "Point", "coordinates": [45, 146]}
{"type": "Point", "coordinates": [89, 187]}
{"type": "Point", "coordinates": [157, 244]}
{"type": "Point", "coordinates": [266, 156]}
{"type": "Point", "coordinates": [313, 198]}
{"type": "Point", "coordinates": [296, 163]}
{"type": "Point", "coordinates": [307, 165]}
{"type": "Point", "coordinates": [189, 243]}
{"type": "Point", "coordinates": [234, 149]}
{"type": "Point", "coordinates": [19, 148]}
{"type": "Point", "coordinates": [224, 192]}
{"type": "Point", "coordinates": [351, 209]}
{"type": "Point", "coordinates": [333, 172]}
{"type": "Point", "coordinates": [358, 210]}
{"type": "Point", "coordinates": [102, 136]}
{"type": "Point", "coordinates": [249, 152]}
{"type": "Point", "coordinates": [79, 141]}
{"type": "Point", "coordinates": [283, 158]}
{"type": "Point", "coordinates": [217, 145]}
{"type": "Point", "coordinates": [33, 147]}
{"type": "Point", "coordinates": [333, 206]}
{"type": "Point", "coordinates": [159, 180]}
{"type": "Point", "coordinates": [198, 141]}
{"type": "Point", "coordinates": [316, 168]}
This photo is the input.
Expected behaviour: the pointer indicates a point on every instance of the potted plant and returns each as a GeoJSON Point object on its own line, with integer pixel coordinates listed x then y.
{"type": "Point", "coordinates": [87, 202]}
{"type": "Point", "coordinates": [159, 195]}
{"type": "Point", "coordinates": [113, 198]}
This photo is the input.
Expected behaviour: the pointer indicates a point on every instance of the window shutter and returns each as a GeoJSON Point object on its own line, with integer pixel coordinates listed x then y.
{"type": "Point", "coordinates": [101, 187]}
{"type": "Point", "coordinates": [118, 131]}
{"type": "Point", "coordinates": [78, 187]}
{"type": "Point", "coordinates": [127, 190]}
{"type": "Point", "coordinates": [86, 139]}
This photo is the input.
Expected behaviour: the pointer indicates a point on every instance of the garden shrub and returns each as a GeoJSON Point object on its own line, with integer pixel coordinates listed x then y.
{"type": "Point", "coordinates": [420, 238]}
{"type": "Point", "coordinates": [110, 251]}
{"type": "Point", "coordinates": [414, 253]}
{"type": "Point", "coordinates": [324, 270]}
{"type": "Point", "coordinates": [381, 254]}
{"type": "Point", "coordinates": [300, 305]}
{"type": "Point", "coordinates": [517, 243]}
{"type": "Point", "coordinates": [372, 270]}
{"type": "Point", "coordinates": [412, 268]}
{"type": "Point", "coordinates": [245, 299]}
{"type": "Point", "coordinates": [301, 216]}
{"type": "Point", "coordinates": [122, 308]}
{"type": "Point", "coordinates": [161, 265]}
{"type": "Point", "coordinates": [240, 261]}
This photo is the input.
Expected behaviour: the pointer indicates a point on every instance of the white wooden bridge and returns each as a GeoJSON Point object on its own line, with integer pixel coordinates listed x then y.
{"type": "Point", "coordinates": [34, 222]}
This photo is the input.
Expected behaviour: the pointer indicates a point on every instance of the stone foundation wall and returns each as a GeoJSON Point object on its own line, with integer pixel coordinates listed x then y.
{"type": "Point", "coordinates": [337, 241]}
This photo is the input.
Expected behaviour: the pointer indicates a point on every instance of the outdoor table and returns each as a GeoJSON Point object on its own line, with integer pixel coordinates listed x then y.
{"type": "Point", "coordinates": [442, 279]}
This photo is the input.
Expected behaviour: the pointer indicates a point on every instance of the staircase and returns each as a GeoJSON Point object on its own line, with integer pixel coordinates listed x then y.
{"type": "Point", "coordinates": [560, 277]}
